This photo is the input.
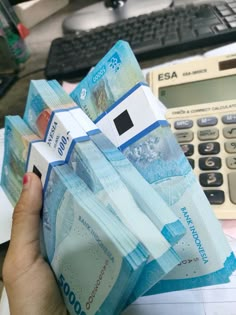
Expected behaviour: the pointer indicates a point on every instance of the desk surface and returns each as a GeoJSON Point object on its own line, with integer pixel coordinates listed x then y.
{"type": "Point", "coordinates": [38, 43]}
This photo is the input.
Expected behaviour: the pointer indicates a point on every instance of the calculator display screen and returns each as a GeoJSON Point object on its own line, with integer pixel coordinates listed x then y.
{"type": "Point", "coordinates": [199, 92]}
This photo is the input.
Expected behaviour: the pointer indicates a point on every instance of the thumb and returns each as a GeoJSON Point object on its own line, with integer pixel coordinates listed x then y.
{"type": "Point", "coordinates": [26, 216]}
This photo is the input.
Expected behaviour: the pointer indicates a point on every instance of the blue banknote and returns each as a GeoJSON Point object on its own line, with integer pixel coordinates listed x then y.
{"type": "Point", "coordinates": [15, 153]}
{"type": "Point", "coordinates": [134, 122]}
{"type": "Point", "coordinates": [65, 136]}
{"type": "Point", "coordinates": [114, 75]}
{"type": "Point", "coordinates": [147, 198]}
{"type": "Point", "coordinates": [96, 265]}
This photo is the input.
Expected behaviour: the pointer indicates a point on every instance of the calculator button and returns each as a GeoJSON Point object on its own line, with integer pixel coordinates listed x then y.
{"type": "Point", "coordinates": [229, 132]}
{"type": "Point", "coordinates": [232, 185]}
{"type": "Point", "coordinates": [212, 179]}
{"type": "Point", "coordinates": [208, 148]}
{"type": "Point", "coordinates": [183, 124]}
{"type": "Point", "coordinates": [231, 162]}
{"type": "Point", "coordinates": [230, 146]}
{"type": "Point", "coordinates": [215, 197]}
{"type": "Point", "coordinates": [207, 121]}
{"type": "Point", "coordinates": [188, 149]}
{"type": "Point", "coordinates": [184, 136]}
{"type": "Point", "coordinates": [208, 134]}
{"type": "Point", "coordinates": [210, 163]}
{"type": "Point", "coordinates": [229, 119]}
{"type": "Point", "coordinates": [192, 163]}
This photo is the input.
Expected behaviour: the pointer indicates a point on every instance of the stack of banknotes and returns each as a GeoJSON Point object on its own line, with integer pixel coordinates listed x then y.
{"type": "Point", "coordinates": [130, 116]}
{"type": "Point", "coordinates": [123, 214]}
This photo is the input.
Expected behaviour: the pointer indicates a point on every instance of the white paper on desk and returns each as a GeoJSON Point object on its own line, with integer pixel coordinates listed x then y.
{"type": "Point", "coordinates": [4, 306]}
{"type": "Point", "coordinates": [5, 205]}
{"type": "Point", "coordinates": [224, 50]}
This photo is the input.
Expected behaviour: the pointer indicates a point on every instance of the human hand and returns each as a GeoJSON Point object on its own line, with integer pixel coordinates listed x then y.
{"type": "Point", "coordinates": [29, 281]}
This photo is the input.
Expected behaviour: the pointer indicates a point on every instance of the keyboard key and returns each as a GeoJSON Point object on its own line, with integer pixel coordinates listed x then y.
{"type": "Point", "coordinates": [183, 124]}
{"type": "Point", "coordinates": [232, 185]}
{"type": "Point", "coordinates": [205, 30]}
{"type": "Point", "coordinates": [225, 12]}
{"type": "Point", "coordinates": [210, 163]}
{"type": "Point", "coordinates": [232, 24]}
{"type": "Point", "coordinates": [207, 121]}
{"type": "Point", "coordinates": [212, 179]}
{"type": "Point", "coordinates": [208, 134]}
{"type": "Point", "coordinates": [229, 132]}
{"type": "Point", "coordinates": [230, 146]}
{"type": "Point", "coordinates": [187, 34]}
{"type": "Point", "coordinates": [221, 28]}
{"type": "Point", "coordinates": [171, 38]}
{"type": "Point", "coordinates": [211, 22]}
{"type": "Point", "coordinates": [205, 11]}
{"type": "Point", "coordinates": [184, 136]}
{"type": "Point", "coordinates": [221, 7]}
{"type": "Point", "coordinates": [188, 149]}
{"type": "Point", "coordinates": [208, 148]}
{"type": "Point", "coordinates": [215, 197]}
{"type": "Point", "coordinates": [231, 18]}
{"type": "Point", "coordinates": [231, 162]}
{"type": "Point", "coordinates": [229, 119]}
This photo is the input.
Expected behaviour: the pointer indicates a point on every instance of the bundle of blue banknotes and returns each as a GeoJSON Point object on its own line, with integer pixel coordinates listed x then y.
{"type": "Point", "coordinates": [123, 214]}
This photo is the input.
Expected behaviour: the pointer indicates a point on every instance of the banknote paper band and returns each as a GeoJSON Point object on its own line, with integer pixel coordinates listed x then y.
{"type": "Point", "coordinates": [138, 115]}
{"type": "Point", "coordinates": [62, 131]}
{"type": "Point", "coordinates": [40, 160]}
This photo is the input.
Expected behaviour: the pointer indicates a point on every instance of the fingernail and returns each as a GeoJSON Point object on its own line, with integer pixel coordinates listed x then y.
{"type": "Point", "coordinates": [26, 181]}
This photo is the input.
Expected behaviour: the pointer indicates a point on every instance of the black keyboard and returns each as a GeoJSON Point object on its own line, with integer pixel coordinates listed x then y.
{"type": "Point", "coordinates": [150, 36]}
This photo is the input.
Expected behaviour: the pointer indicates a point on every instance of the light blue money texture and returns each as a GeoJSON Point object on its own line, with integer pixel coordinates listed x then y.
{"type": "Point", "coordinates": [146, 197]}
{"type": "Point", "coordinates": [134, 122]}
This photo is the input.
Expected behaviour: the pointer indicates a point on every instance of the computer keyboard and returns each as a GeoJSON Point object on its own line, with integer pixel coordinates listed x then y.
{"type": "Point", "coordinates": [150, 36]}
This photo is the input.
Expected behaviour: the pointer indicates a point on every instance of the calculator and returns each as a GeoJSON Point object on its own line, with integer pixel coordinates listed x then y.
{"type": "Point", "coordinates": [200, 97]}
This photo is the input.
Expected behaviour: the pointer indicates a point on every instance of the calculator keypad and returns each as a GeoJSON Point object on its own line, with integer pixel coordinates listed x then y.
{"type": "Point", "coordinates": [211, 179]}
{"type": "Point", "coordinates": [208, 148]}
{"type": "Point", "coordinates": [232, 185]}
{"type": "Point", "coordinates": [184, 136]}
{"type": "Point", "coordinates": [230, 132]}
{"type": "Point", "coordinates": [215, 197]}
{"type": "Point", "coordinates": [208, 134]}
{"type": "Point", "coordinates": [210, 163]}
{"type": "Point", "coordinates": [231, 162]}
{"type": "Point", "coordinates": [188, 149]}
{"type": "Point", "coordinates": [209, 143]}
{"type": "Point", "coordinates": [230, 146]}
{"type": "Point", "coordinates": [207, 121]}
